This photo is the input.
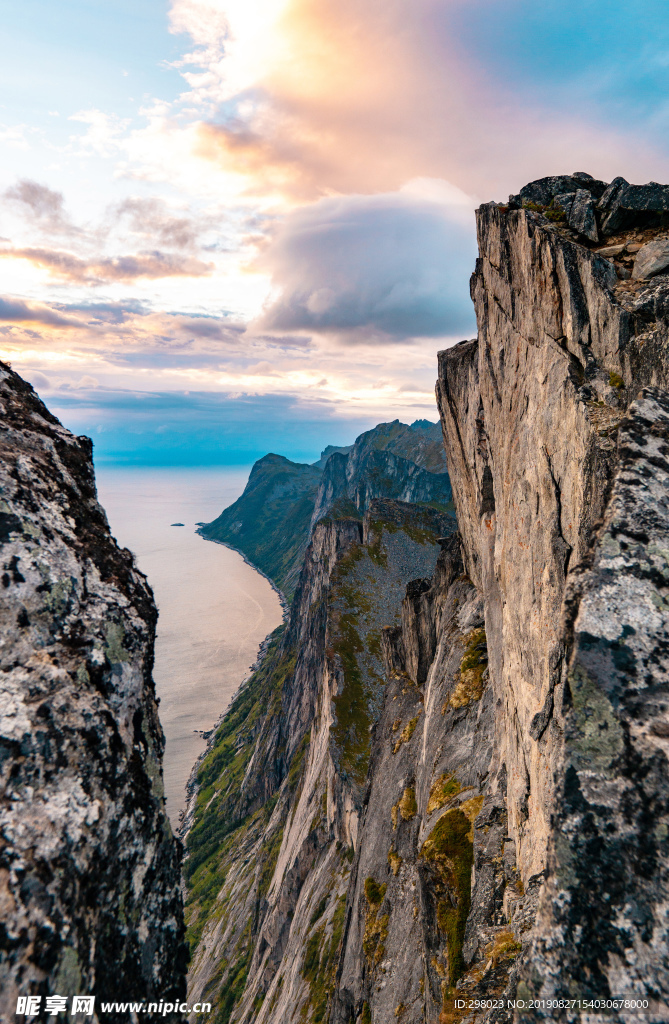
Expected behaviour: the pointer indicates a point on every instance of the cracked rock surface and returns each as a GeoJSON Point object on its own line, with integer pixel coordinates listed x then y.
{"type": "Point", "coordinates": [89, 869]}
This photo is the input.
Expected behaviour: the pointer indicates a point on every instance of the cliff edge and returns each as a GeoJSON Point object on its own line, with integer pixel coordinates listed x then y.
{"type": "Point", "coordinates": [90, 871]}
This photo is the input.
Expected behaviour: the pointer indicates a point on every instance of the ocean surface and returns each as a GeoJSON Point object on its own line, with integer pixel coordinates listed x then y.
{"type": "Point", "coordinates": [214, 609]}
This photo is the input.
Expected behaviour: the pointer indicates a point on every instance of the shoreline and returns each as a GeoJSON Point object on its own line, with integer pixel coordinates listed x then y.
{"type": "Point", "coordinates": [285, 607]}
{"type": "Point", "coordinates": [186, 816]}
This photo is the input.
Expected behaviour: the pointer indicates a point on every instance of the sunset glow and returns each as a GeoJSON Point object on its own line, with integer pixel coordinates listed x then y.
{"type": "Point", "coordinates": [275, 198]}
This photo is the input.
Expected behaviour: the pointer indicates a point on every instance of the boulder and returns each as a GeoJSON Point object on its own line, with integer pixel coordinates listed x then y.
{"type": "Point", "coordinates": [626, 206]}
{"type": "Point", "coordinates": [581, 216]}
{"type": "Point", "coordinates": [543, 190]}
{"type": "Point", "coordinates": [564, 202]}
{"type": "Point", "coordinates": [652, 259]}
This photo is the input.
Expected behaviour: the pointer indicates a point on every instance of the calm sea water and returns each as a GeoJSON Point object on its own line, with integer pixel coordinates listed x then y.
{"type": "Point", "coordinates": [214, 609]}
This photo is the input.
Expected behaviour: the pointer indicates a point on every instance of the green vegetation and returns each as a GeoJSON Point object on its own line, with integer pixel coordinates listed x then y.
{"type": "Point", "coordinates": [474, 663]}
{"type": "Point", "coordinates": [616, 381]}
{"type": "Point", "coordinates": [366, 1016]}
{"type": "Point", "coordinates": [407, 805]}
{"type": "Point", "coordinates": [270, 857]}
{"type": "Point", "coordinates": [222, 771]}
{"type": "Point", "coordinates": [320, 962]}
{"type": "Point", "coordinates": [319, 911]}
{"type": "Point", "coordinates": [269, 523]}
{"type": "Point", "coordinates": [351, 727]}
{"type": "Point", "coordinates": [450, 852]}
{"type": "Point", "coordinates": [406, 734]}
{"type": "Point", "coordinates": [394, 860]}
{"type": "Point", "coordinates": [376, 925]}
{"type": "Point", "coordinates": [234, 987]}
{"type": "Point", "coordinates": [443, 789]}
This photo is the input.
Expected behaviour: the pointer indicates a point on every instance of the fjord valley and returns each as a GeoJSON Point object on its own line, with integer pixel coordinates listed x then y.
{"type": "Point", "coordinates": [444, 787]}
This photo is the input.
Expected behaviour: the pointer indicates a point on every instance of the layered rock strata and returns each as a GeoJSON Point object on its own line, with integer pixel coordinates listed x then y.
{"type": "Point", "coordinates": [558, 475]}
{"type": "Point", "coordinates": [89, 870]}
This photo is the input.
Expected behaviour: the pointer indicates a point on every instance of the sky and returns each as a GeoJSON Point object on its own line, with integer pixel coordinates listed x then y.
{"type": "Point", "coordinates": [229, 227]}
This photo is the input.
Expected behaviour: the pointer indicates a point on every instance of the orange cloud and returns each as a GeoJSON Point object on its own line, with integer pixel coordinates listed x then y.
{"type": "Point", "coordinates": [67, 267]}
{"type": "Point", "coordinates": [357, 97]}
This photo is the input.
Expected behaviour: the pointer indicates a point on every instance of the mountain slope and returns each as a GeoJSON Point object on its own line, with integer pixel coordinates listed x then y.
{"type": "Point", "coordinates": [270, 522]}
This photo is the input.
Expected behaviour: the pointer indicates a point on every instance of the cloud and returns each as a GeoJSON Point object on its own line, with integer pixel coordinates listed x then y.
{"type": "Point", "coordinates": [18, 311]}
{"type": "Point", "coordinates": [43, 205]}
{"type": "Point", "coordinates": [316, 96]}
{"type": "Point", "coordinates": [151, 218]}
{"type": "Point", "coordinates": [104, 270]}
{"type": "Point", "coordinates": [395, 265]}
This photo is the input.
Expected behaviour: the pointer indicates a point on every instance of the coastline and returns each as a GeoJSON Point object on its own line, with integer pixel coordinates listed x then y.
{"type": "Point", "coordinates": [285, 607]}
{"type": "Point", "coordinates": [186, 815]}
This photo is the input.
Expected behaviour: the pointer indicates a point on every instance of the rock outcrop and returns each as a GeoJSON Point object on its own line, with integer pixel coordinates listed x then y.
{"type": "Point", "coordinates": [89, 870]}
{"type": "Point", "coordinates": [476, 806]}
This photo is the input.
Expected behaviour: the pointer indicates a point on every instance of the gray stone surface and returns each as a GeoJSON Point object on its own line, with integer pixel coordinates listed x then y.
{"type": "Point", "coordinates": [651, 259]}
{"type": "Point", "coordinates": [90, 871]}
{"type": "Point", "coordinates": [581, 216]}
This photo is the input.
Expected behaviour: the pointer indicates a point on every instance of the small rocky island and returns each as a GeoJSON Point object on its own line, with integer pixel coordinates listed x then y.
{"type": "Point", "coordinates": [444, 788]}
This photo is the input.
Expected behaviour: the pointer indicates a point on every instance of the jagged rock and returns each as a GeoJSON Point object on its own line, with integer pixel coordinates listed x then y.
{"type": "Point", "coordinates": [624, 206]}
{"type": "Point", "coordinates": [521, 408]}
{"type": "Point", "coordinates": [564, 202]}
{"type": "Point", "coordinates": [603, 916]}
{"type": "Point", "coordinates": [651, 259]}
{"type": "Point", "coordinates": [581, 216]}
{"type": "Point", "coordinates": [384, 463]}
{"type": "Point", "coordinates": [543, 190]}
{"type": "Point", "coordinates": [90, 874]}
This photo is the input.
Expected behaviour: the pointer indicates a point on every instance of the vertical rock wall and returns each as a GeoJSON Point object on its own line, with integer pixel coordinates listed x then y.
{"type": "Point", "coordinates": [89, 870]}
{"type": "Point", "coordinates": [559, 490]}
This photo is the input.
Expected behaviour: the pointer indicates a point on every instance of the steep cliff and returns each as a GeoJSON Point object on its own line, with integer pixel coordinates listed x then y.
{"type": "Point", "coordinates": [89, 872]}
{"type": "Point", "coordinates": [462, 799]}
{"type": "Point", "coordinates": [392, 461]}
{"type": "Point", "coordinates": [559, 480]}
{"type": "Point", "coordinates": [280, 793]}
{"type": "Point", "coordinates": [270, 522]}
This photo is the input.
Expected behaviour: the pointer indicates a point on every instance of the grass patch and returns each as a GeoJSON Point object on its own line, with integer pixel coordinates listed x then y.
{"type": "Point", "coordinates": [616, 381]}
{"type": "Point", "coordinates": [474, 663]}
{"type": "Point", "coordinates": [407, 806]}
{"type": "Point", "coordinates": [270, 857]}
{"type": "Point", "coordinates": [376, 924]}
{"type": "Point", "coordinates": [450, 852]}
{"type": "Point", "coordinates": [443, 789]}
{"type": "Point", "coordinates": [394, 860]}
{"type": "Point", "coordinates": [406, 734]}
{"type": "Point", "coordinates": [319, 964]}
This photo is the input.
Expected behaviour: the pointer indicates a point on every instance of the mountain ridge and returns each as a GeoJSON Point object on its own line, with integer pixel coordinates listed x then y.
{"type": "Point", "coordinates": [271, 521]}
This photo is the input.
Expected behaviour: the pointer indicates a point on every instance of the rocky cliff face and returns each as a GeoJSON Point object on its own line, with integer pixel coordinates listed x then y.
{"type": "Point", "coordinates": [90, 872]}
{"type": "Point", "coordinates": [558, 470]}
{"type": "Point", "coordinates": [271, 522]}
{"type": "Point", "coordinates": [468, 794]}
{"type": "Point", "coordinates": [392, 461]}
{"type": "Point", "coordinates": [276, 818]}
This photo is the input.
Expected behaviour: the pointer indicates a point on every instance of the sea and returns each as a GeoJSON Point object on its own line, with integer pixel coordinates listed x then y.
{"type": "Point", "coordinates": [214, 609]}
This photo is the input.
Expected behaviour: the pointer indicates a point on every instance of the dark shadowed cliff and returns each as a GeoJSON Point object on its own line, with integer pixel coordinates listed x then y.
{"type": "Point", "coordinates": [89, 869]}
{"type": "Point", "coordinates": [448, 780]}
